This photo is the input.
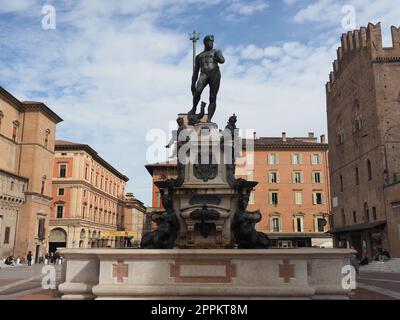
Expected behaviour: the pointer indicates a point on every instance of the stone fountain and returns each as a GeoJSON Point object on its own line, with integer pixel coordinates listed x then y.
{"type": "Point", "coordinates": [206, 245]}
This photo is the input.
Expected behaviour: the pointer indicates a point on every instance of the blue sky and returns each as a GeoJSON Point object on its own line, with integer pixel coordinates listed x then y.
{"type": "Point", "coordinates": [115, 70]}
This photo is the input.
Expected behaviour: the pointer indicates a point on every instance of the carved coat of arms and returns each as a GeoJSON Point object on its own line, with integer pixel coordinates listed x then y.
{"type": "Point", "coordinates": [205, 170]}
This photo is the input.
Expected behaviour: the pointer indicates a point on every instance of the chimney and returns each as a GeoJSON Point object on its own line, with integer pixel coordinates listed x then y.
{"type": "Point", "coordinates": [323, 138]}
{"type": "Point", "coordinates": [284, 136]}
{"type": "Point", "coordinates": [255, 135]}
{"type": "Point", "coordinates": [311, 135]}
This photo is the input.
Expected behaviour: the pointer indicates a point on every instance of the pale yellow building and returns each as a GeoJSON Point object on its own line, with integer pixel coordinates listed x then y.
{"type": "Point", "coordinates": [27, 135]}
{"type": "Point", "coordinates": [134, 217]}
{"type": "Point", "coordinates": [88, 198]}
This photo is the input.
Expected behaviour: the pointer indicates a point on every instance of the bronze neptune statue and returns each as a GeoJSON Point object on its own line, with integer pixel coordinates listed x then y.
{"type": "Point", "coordinates": [207, 64]}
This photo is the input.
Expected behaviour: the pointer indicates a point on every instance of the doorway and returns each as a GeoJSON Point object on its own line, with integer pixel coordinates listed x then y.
{"type": "Point", "coordinates": [58, 239]}
{"type": "Point", "coordinates": [37, 253]}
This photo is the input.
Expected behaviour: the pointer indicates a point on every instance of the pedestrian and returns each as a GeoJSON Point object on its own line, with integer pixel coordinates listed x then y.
{"type": "Point", "coordinates": [9, 261]}
{"type": "Point", "coordinates": [29, 258]}
{"type": "Point", "coordinates": [57, 258]}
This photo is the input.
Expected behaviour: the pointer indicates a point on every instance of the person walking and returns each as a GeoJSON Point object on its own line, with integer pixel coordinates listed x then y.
{"type": "Point", "coordinates": [29, 258]}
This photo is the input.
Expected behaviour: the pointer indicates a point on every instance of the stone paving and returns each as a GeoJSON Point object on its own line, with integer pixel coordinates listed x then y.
{"type": "Point", "coordinates": [25, 283]}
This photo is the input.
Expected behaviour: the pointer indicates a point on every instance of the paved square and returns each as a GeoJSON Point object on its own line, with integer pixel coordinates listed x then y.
{"type": "Point", "coordinates": [25, 283]}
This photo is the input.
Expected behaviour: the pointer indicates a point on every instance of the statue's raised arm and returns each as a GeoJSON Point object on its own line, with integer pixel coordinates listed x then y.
{"type": "Point", "coordinates": [206, 64]}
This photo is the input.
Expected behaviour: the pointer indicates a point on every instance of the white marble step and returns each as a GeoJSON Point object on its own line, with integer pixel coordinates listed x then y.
{"type": "Point", "coordinates": [391, 266]}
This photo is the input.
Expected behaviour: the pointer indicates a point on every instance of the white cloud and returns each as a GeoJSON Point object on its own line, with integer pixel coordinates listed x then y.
{"type": "Point", "coordinates": [290, 2]}
{"type": "Point", "coordinates": [322, 10]}
{"type": "Point", "coordinates": [8, 6]}
{"type": "Point", "coordinates": [239, 10]}
{"type": "Point", "coordinates": [272, 52]}
{"type": "Point", "coordinates": [247, 8]}
{"type": "Point", "coordinates": [328, 13]}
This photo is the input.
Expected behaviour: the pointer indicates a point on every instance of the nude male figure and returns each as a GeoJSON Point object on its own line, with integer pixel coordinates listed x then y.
{"type": "Point", "coordinates": [207, 64]}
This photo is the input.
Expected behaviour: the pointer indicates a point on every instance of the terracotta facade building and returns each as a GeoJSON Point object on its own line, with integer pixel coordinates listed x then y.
{"type": "Point", "coordinates": [363, 106]}
{"type": "Point", "coordinates": [293, 190]}
{"type": "Point", "coordinates": [27, 135]}
{"type": "Point", "coordinates": [88, 198]}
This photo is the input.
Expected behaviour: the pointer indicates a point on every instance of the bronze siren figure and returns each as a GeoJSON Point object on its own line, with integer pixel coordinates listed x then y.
{"type": "Point", "coordinates": [207, 64]}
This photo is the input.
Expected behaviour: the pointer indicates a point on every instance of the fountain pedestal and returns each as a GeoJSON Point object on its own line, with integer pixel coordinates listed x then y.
{"type": "Point", "coordinates": [204, 274]}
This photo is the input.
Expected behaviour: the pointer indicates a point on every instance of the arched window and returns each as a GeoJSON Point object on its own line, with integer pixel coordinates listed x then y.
{"type": "Point", "coordinates": [369, 169]}
{"type": "Point", "coordinates": [339, 131]}
{"type": "Point", "coordinates": [358, 116]}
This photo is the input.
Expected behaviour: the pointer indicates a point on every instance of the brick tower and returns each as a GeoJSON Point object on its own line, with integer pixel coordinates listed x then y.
{"type": "Point", "coordinates": [363, 107]}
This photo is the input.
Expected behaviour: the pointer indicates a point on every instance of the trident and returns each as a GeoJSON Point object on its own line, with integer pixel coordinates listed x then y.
{"type": "Point", "coordinates": [194, 37]}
